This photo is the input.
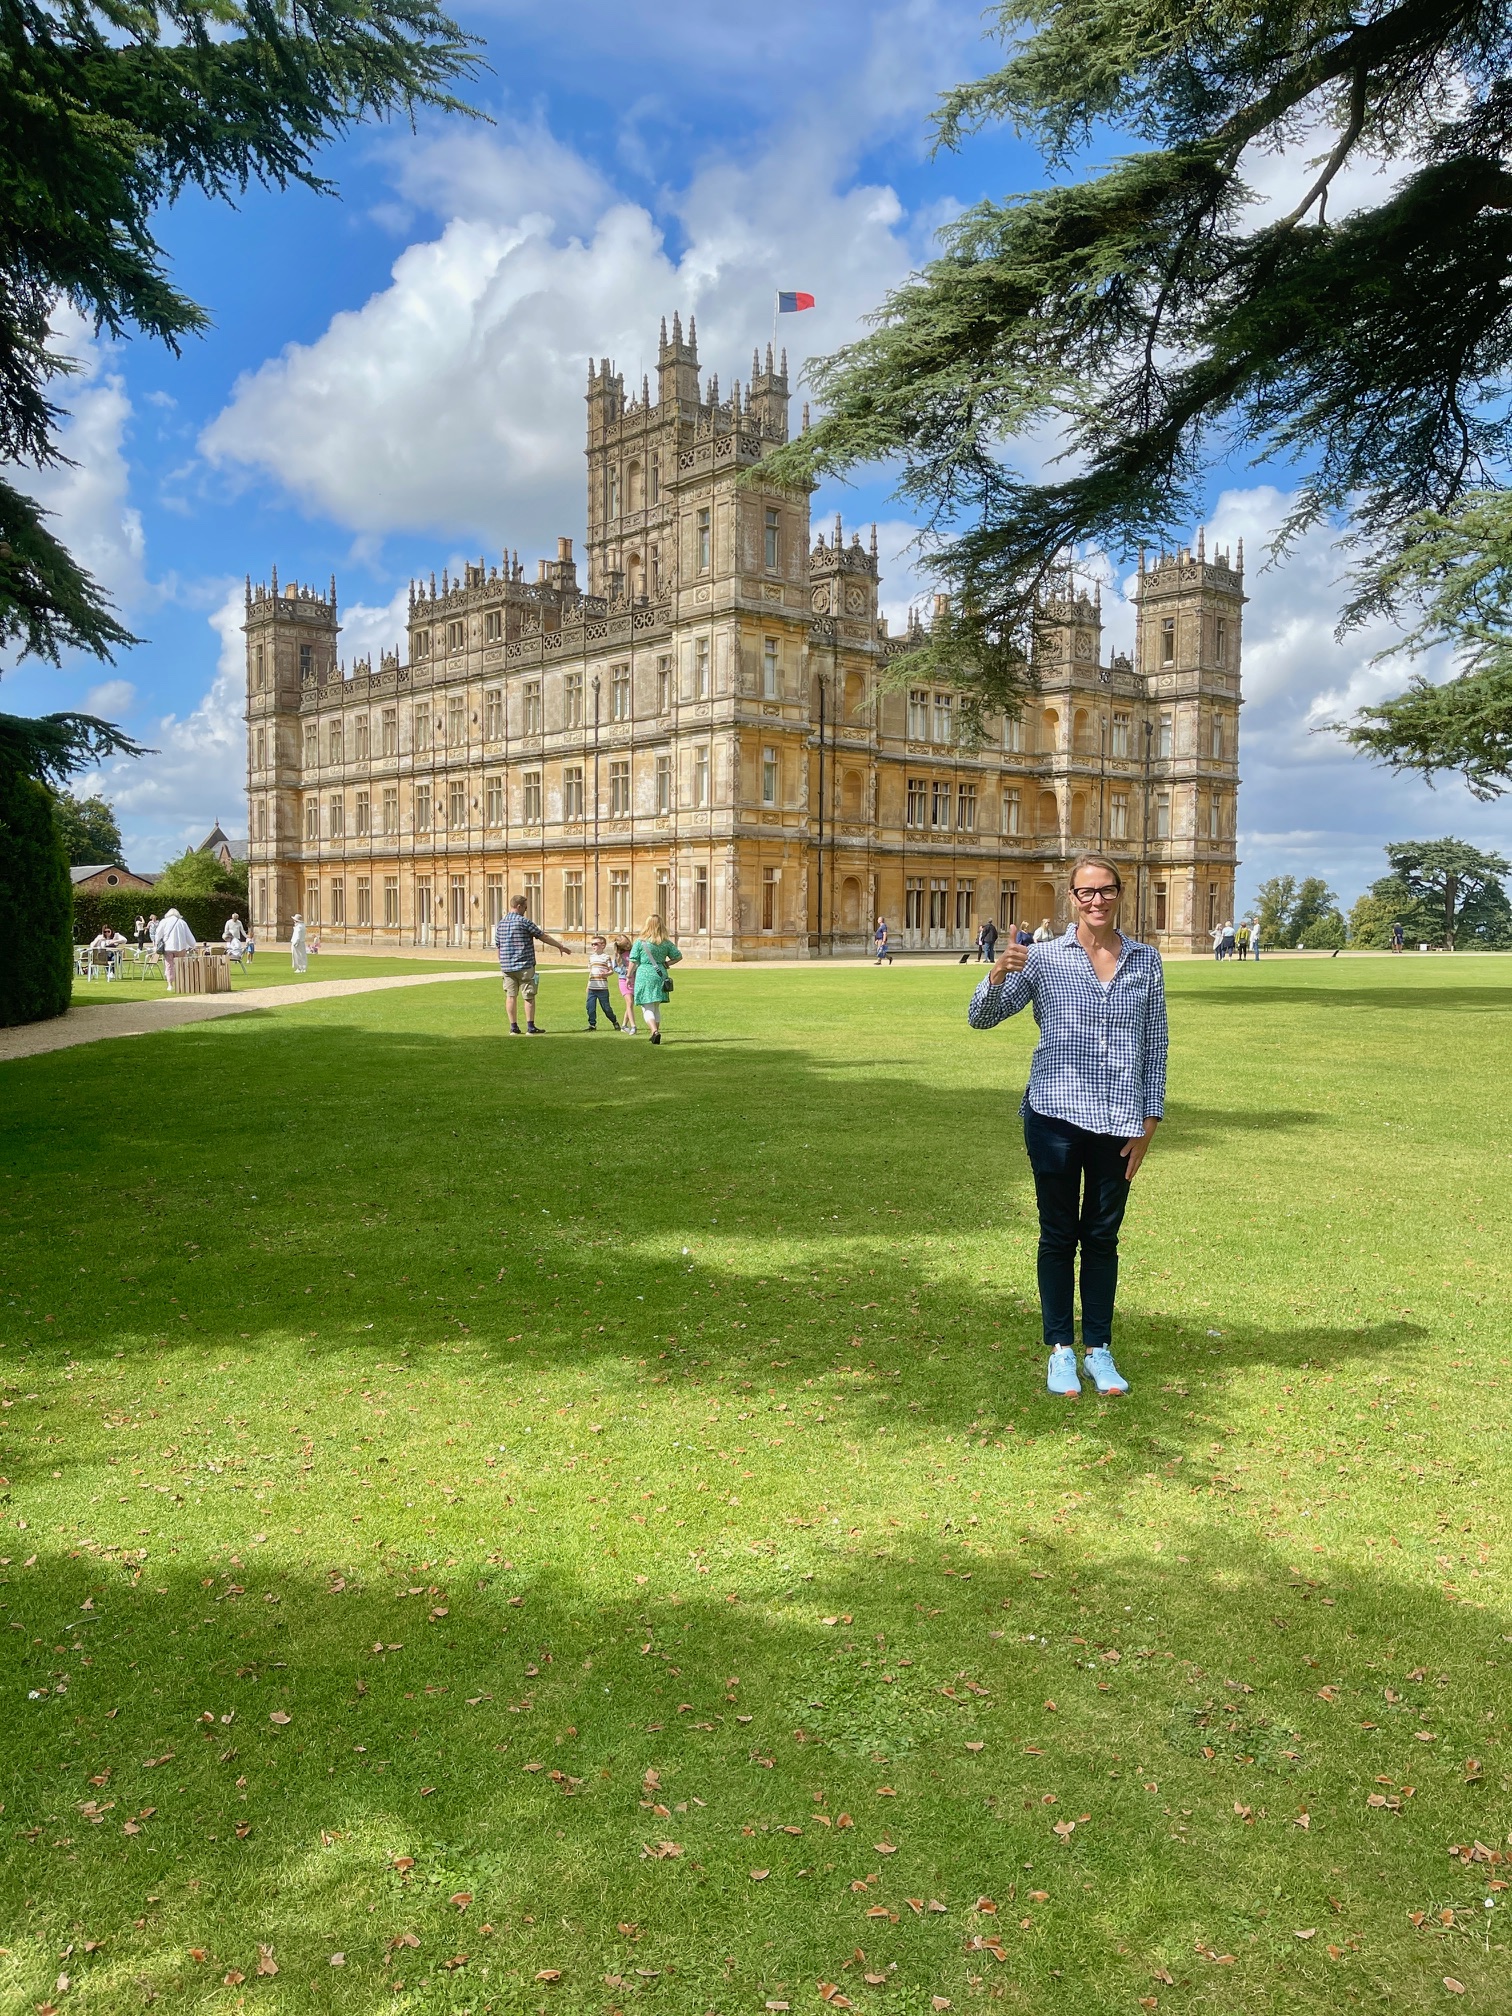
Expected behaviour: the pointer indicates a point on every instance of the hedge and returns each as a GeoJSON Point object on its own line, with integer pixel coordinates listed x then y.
{"type": "Point", "coordinates": [36, 953]}
{"type": "Point", "coordinates": [94, 909]}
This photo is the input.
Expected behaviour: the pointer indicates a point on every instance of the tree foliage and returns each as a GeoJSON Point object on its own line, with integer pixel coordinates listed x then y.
{"type": "Point", "coordinates": [1292, 913]}
{"type": "Point", "coordinates": [1459, 886]}
{"type": "Point", "coordinates": [36, 904]}
{"type": "Point", "coordinates": [195, 874]}
{"type": "Point", "coordinates": [1385, 904]}
{"type": "Point", "coordinates": [88, 830]}
{"type": "Point", "coordinates": [1152, 314]}
{"type": "Point", "coordinates": [112, 109]}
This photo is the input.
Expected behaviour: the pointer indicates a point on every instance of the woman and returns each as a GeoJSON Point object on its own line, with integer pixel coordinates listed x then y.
{"type": "Point", "coordinates": [1095, 1097]}
{"type": "Point", "coordinates": [140, 934]}
{"type": "Point", "coordinates": [882, 941]}
{"type": "Point", "coordinates": [172, 937]}
{"type": "Point", "coordinates": [298, 949]}
{"type": "Point", "coordinates": [650, 956]}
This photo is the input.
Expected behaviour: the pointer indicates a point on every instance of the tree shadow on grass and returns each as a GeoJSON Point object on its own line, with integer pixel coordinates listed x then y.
{"type": "Point", "coordinates": [1401, 1000]}
{"type": "Point", "coordinates": [650, 1786]}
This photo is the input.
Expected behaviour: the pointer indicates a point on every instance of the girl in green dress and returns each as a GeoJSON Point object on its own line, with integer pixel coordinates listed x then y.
{"type": "Point", "coordinates": [650, 956]}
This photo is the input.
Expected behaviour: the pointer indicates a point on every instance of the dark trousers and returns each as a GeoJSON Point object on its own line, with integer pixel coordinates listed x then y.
{"type": "Point", "coordinates": [1082, 1191]}
{"type": "Point", "coordinates": [598, 997]}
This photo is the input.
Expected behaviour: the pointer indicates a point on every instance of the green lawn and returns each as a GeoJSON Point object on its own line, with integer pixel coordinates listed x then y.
{"type": "Point", "coordinates": [565, 1525]}
{"type": "Point", "coordinates": [271, 968]}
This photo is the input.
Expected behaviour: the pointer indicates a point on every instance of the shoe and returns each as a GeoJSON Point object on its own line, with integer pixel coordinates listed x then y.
{"type": "Point", "coordinates": [1061, 1378]}
{"type": "Point", "coordinates": [514, 1029]}
{"type": "Point", "coordinates": [534, 1029]}
{"type": "Point", "coordinates": [1103, 1373]}
{"type": "Point", "coordinates": [656, 1035]}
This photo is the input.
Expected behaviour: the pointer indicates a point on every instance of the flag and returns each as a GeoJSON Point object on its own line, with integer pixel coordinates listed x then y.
{"type": "Point", "coordinates": [793, 304]}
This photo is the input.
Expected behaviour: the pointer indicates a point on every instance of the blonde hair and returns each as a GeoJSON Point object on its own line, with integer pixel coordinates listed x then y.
{"type": "Point", "coordinates": [622, 945]}
{"type": "Point", "coordinates": [655, 927]}
{"type": "Point", "coordinates": [1095, 861]}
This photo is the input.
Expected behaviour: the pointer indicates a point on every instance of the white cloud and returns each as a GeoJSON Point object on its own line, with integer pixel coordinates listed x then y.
{"type": "Point", "coordinates": [111, 700]}
{"type": "Point", "coordinates": [451, 402]}
{"type": "Point", "coordinates": [169, 801]}
{"type": "Point", "coordinates": [89, 502]}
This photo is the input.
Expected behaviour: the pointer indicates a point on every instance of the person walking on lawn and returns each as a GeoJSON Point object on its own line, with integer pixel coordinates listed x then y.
{"type": "Point", "coordinates": [650, 956]}
{"type": "Point", "coordinates": [1096, 1094]}
{"type": "Point", "coordinates": [515, 937]}
{"type": "Point", "coordinates": [600, 966]}
{"type": "Point", "coordinates": [987, 937]}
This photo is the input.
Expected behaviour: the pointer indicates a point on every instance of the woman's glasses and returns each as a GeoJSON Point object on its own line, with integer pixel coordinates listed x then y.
{"type": "Point", "coordinates": [1105, 892]}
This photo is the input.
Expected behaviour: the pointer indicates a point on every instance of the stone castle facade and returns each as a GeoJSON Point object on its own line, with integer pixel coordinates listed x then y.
{"type": "Point", "coordinates": [709, 727]}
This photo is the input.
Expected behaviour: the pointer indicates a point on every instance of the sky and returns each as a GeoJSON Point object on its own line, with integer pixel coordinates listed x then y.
{"type": "Point", "coordinates": [393, 380]}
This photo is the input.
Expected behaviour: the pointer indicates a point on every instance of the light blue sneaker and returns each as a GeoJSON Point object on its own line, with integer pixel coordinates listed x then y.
{"type": "Point", "coordinates": [1103, 1373]}
{"type": "Point", "coordinates": [1061, 1378]}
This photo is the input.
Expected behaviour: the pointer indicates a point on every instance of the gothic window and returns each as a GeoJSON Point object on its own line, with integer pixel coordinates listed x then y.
{"type": "Point", "coordinates": [456, 636]}
{"type": "Point", "coordinates": [769, 668]}
{"type": "Point", "coordinates": [456, 811]}
{"type": "Point", "coordinates": [769, 776]}
{"type": "Point", "coordinates": [530, 707]}
{"type": "Point", "coordinates": [769, 887]}
{"type": "Point", "coordinates": [338, 822]}
{"type": "Point", "coordinates": [493, 626]}
{"type": "Point", "coordinates": [362, 727]}
{"type": "Point", "coordinates": [619, 693]}
{"type": "Point", "coordinates": [705, 542]}
{"type": "Point", "coordinates": [334, 739]}
{"type": "Point", "coordinates": [260, 759]}
{"type": "Point", "coordinates": [1011, 812]}
{"type": "Point", "coordinates": [364, 899]}
{"type": "Point", "coordinates": [493, 714]}
{"type": "Point", "coordinates": [939, 804]}
{"type": "Point", "coordinates": [773, 541]}
{"type": "Point", "coordinates": [619, 899]}
{"type": "Point", "coordinates": [1007, 905]}
{"type": "Point", "coordinates": [614, 493]}
{"type": "Point", "coordinates": [420, 648]}
{"type": "Point", "coordinates": [532, 808]}
{"type": "Point", "coordinates": [1220, 640]}
{"type": "Point", "coordinates": [306, 661]}
{"type": "Point", "coordinates": [311, 745]}
{"type": "Point", "coordinates": [913, 904]}
{"type": "Point", "coordinates": [938, 895]}
{"type": "Point", "coordinates": [312, 818]}
{"type": "Point", "coordinates": [1168, 640]}
{"type": "Point", "coordinates": [494, 803]}
{"type": "Point", "coordinates": [1214, 816]}
{"type": "Point", "coordinates": [1118, 816]}
{"type": "Point", "coordinates": [701, 668]}
{"type": "Point", "coordinates": [664, 784]}
{"type": "Point", "coordinates": [338, 901]}
{"type": "Point", "coordinates": [1217, 743]}
{"type": "Point", "coordinates": [572, 700]}
{"type": "Point", "coordinates": [653, 483]}
{"type": "Point", "coordinates": [1120, 745]}
{"type": "Point", "coordinates": [456, 723]}
{"type": "Point", "coordinates": [700, 779]}
{"type": "Point", "coordinates": [390, 810]}
{"type": "Point", "coordinates": [1163, 815]}
{"type": "Point", "coordinates": [966, 808]}
{"type": "Point", "coordinates": [918, 716]}
{"type": "Point", "coordinates": [420, 722]}
{"type": "Point", "coordinates": [422, 808]}
{"type": "Point", "coordinates": [572, 899]}
{"type": "Point", "coordinates": [943, 718]}
{"type": "Point", "coordinates": [965, 903]}
{"type": "Point", "coordinates": [362, 821]}
{"type": "Point", "coordinates": [700, 899]}
{"type": "Point", "coordinates": [663, 685]}
{"type": "Point", "coordinates": [619, 789]}
{"type": "Point", "coordinates": [1013, 732]}
{"type": "Point", "coordinates": [918, 795]}
{"type": "Point", "coordinates": [1167, 734]}
{"type": "Point", "coordinates": [391, 900]}
{"type": "Point", "coordinates": [389, 729]}
{"type": "Point", "coordinates": [260, 679]}
{"type": "Point", "coordinates": [572, 791]}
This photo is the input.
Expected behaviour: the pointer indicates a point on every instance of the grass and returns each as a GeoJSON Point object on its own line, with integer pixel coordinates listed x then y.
{"type": "Point", "coordinates": [268, 969]}
{"type": "Point", "coordinates": [572, 1527]}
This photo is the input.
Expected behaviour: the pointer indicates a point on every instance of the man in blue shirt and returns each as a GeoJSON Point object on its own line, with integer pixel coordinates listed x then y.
{"type": "Point", "coordinates": [515, 936]}
{"type": "Point", "coordinates": [1095, 1097]}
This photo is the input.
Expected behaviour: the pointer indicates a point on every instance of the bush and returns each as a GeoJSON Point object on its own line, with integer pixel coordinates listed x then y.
{"type": "Point", "coordinates": [197, 874]}
{"type": "Point", "coordinates": [36, 952]}
{"type": "Point", "coordinates": [93, 910]}
{"type": "Point", "coordinates": [1324, 934]}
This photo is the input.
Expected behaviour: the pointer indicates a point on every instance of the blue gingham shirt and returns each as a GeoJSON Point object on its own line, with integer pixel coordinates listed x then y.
{"type": "Point", "coordinates": [515, 935]}
{"type": "Point", "coordinates": [1101, 1058]}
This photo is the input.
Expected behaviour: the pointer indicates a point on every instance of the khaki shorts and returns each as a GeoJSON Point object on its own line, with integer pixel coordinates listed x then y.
{"type": "Point", "coordinates": [522, 980]}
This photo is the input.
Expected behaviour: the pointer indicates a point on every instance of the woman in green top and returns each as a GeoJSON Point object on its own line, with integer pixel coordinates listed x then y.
{"type": "Point", "coordinates": [650, 956]}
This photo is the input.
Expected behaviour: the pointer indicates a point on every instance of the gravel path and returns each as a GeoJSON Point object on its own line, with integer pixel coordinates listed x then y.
{"type": "Point", "coordinates": [141, 1018]}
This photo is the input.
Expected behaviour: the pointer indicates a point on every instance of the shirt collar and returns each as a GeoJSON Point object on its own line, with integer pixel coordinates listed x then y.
{"type": "Point", "coordinates": [1126, 945]}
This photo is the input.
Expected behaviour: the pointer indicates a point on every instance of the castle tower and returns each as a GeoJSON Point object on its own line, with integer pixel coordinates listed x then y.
{"type": "Point", "coordinates": [291, 646]}
{"type": "Point", "coordinates": [1188, 613]}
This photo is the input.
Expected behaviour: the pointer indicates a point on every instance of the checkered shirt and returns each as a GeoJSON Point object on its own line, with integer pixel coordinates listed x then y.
{"type": "Point", "coordinates": [1100, 1062]}
{"type": "Point", "coordinates": [514, 936]}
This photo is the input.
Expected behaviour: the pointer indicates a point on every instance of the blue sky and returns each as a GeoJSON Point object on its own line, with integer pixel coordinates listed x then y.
{"type": "Point", "coordinates": [393, 379]}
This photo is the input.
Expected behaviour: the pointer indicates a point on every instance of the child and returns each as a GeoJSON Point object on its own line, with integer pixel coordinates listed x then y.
{"type": "Point", "coordinates": [626, 986]}
{"type": "Point", "coordinates": [600, 965]}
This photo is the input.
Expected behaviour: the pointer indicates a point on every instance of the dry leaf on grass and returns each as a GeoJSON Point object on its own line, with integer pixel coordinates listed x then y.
{"type": "Point", "coordinates": [232, 1979]}
{"type": "Point", "coordinates": [266, 1964]}
{"type": "Point", "coordinates": [760, 1875]}
{"type": "Point", "coordinates": [279, 1719]}
{"type": "Point", "coordinates": [1454, 1987]}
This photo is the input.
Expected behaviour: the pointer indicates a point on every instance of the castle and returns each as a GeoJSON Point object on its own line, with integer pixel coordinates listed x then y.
{"type": "Point", "coordinates": [708, 728]}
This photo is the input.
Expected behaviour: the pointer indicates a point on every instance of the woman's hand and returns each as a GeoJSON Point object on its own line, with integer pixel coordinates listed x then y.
{"type": "Point", "coordinates": [1135, 1149]}
{"type": "Point", "coordinates": [1012, 959]}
